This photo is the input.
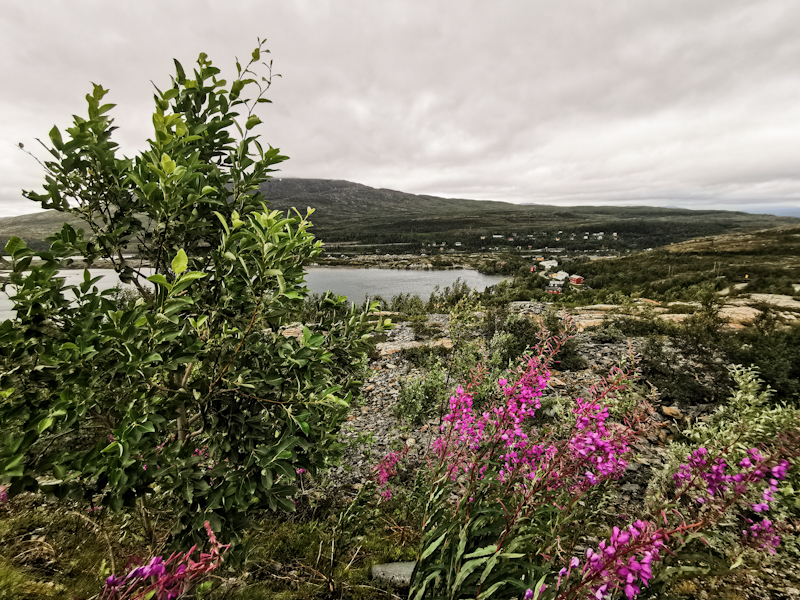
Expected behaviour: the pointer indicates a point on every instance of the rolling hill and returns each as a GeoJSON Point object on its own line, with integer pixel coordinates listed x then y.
{"type": "Point", "coordinates": [347, 211]}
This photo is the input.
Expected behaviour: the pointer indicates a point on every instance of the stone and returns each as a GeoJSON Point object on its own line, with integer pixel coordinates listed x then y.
{"type": "Point", "coordinates": [672, 411]}
{"type": "Point", "coordinates": [737, 315]}
{"type": "Point", "coordinates": [397, 574]}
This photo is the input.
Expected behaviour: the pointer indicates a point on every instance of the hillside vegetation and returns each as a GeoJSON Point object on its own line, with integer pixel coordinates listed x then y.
{"type": "Point", "coordinates": [759, 262]}
{"type": "Point", "coordinates": [351, 212]}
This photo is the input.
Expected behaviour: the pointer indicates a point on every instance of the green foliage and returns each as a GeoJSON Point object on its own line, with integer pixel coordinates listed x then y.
{"type": "Point", "coordinates": [509, 334]}
{"type": "Point", "coordinates": [775, 351]}
{"type": "Point", "coordinates": [445, 300]}
{"type": "Point", "coordinates": [409, 304]}
{"type": "Point", "coordinates": [421, 356]}
{"type": "Point", "coordinates": [421, 395]}
{"type": "Point", "coordinates": [751, 418]}
{"type": "Point", "coordinates": [681, 272]}
{"type": "Point", "coordinates": [191, 395]}
{"type": "Point", "coordinates": [568, 357]}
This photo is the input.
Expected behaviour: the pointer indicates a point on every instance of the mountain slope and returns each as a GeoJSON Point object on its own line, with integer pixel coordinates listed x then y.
{"type": "Point", "coordinates": [347, 211]}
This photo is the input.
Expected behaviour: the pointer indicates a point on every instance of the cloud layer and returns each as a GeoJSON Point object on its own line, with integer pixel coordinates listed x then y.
{"type": "Point", "coordinates": [672, 103]}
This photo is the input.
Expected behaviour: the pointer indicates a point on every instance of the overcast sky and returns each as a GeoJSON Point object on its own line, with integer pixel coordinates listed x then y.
{"type": "Point", "coordinates": [691, 103]}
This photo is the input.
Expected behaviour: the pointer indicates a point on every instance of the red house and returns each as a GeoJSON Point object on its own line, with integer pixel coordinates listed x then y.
{"type": "Point", "coordinates": [553, 289]}
{"type": "Point", "coordinates": [576, 279]}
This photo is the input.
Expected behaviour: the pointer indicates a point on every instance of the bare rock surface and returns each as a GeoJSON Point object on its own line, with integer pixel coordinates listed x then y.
{"type": "Point", "coordinates": [396, 574]}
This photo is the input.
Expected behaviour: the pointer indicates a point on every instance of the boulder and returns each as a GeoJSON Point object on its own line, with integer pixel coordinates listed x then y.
{"type": "Point", "coordinates": [396, 574]}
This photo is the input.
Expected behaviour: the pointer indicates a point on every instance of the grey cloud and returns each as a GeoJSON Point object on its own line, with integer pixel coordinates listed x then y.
{"type": "Point", "coordinates": [672, 103]}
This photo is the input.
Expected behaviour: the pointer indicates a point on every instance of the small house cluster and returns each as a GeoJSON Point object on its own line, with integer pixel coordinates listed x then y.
{"type": "Point", "coordinates": [558, 279]}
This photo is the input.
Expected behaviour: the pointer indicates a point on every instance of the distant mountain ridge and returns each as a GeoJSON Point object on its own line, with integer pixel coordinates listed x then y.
{"type": "Point", "coordinates": [346, 197]}
{"type": "Point", "coordinates": [347, 211]}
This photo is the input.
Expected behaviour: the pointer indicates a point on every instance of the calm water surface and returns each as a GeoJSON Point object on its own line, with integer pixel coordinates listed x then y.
{"type": "Point", "coordinates": [354, 283]}
{"type": "Point", "coordinates": [357, 284]}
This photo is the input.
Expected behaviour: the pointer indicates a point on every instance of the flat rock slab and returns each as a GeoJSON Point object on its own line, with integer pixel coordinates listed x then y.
{"type": "Point", "coordinates": [397, 574]}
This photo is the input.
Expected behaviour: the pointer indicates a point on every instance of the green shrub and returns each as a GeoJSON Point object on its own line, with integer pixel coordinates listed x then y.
{"type": "Point", "coordinates": [422, 395]}
{"type": "Point", "coordinates": [421, 356]}
{"type": "Point", "coordinates": [568, 358]}
{"type": "Point", "coordinates": [190, 398]}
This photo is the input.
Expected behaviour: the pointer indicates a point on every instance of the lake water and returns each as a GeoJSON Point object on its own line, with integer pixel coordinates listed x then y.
{"type": "Point", "coordinates": [354, 283]}
{"type": "Point", "coordinates": [357, 284]}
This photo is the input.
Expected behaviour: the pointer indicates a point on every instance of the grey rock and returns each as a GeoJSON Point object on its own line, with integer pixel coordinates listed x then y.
{"type": "Point", "coordinates": [397, 574]}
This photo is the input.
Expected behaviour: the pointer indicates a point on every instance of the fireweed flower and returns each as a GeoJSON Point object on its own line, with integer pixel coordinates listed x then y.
{"type": "Point", "coordinates": [623, 562]}
{"type": "Point", "coordinates": [595, 452]}
{"type": "Point", "coordinates": [699, 469]}
{"type": "Point", "coordinates": [387, 469]}
{"type": "Point", "coordinates": [762, 536]}
{"type": "Point", "coordinates": [497, 451]}
{"type": "Point", "coordinates": [167, 579]}
{"type": "Point", "coordinates": [566, 571]}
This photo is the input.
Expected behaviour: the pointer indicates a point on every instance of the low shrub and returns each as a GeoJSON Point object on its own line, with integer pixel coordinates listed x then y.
{"type": "Point", "coordinates": [421, 395]}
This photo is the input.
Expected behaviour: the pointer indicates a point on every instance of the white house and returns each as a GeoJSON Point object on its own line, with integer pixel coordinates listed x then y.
{"type": "Point", "coordinates": [546, 265]}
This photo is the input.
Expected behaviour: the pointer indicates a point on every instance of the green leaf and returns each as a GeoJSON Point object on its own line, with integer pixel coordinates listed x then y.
{"type": "Point", "coordinates": [277, 273]}
{"type": "Point", "coordinates": [55, 137]}
{"type": "Point", "coordinates": [160, 280]}
{"type": "Point", "coordinates": [236, 88]}
{"type": "Point", "coordinates": [14, 245]}
{"type": "Point", "coordinates": [167, 164]}
{"type": "Point", "coordinates": [192, 275]}
{"type": "Point", "coordinates": [222, 220]}
{"type": "Point", "coordinates": [467, 569]}
{"type": "Point", "coordinates": [432, 548]}
{"type": "Point", "coordinates": [179, 70]}
{"type": "Point", "coordinates": [537, 590]}
{"type": "Point", "coordinates": [252, 122]}
{"type": "Point", "coordinates": [488, 592]}
{"type": "Point", "coordinates": [482, 552]}
{"type": "Point", "coordinates": [180, 262]}
{"type": "Point", "coordinates": [421, 591]}
{"type": "Point", "coordinates": [44, 424]}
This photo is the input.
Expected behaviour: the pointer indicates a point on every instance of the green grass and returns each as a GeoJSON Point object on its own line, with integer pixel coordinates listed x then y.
{"type": "Point", "coordinates": [48, 551]}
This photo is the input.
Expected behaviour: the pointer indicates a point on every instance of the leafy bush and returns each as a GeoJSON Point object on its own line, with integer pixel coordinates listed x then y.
{"type": "Point", "coordinates": [421, 356]}
{"type": "Point", "coordinates": [568, 358]}
{"type": "Point", "coordinates": [422, 330]}
{"type": "Point", "coordinates": [421, 395]}
{"type": "Point", "coordinates": [191, 398]}
{"type": "Point", "coordinates": [441, 301]}
{"type": "Point", "coordinates": [410, 304]}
